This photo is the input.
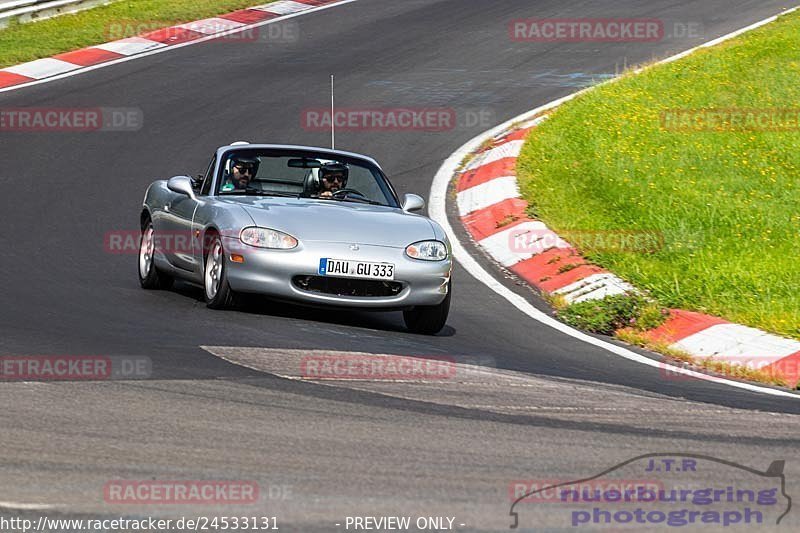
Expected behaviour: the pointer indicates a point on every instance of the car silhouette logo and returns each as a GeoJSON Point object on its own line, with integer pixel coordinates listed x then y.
{"type": "Point", "coordinates": [662, 464]}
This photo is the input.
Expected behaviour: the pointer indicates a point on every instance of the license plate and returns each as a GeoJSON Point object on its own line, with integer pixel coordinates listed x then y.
{"type": "Point", "coordinates": [345, 268]}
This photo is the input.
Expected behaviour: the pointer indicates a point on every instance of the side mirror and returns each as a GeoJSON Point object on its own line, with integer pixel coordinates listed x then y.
{"type": "Point", "coordinates": [181, 185]}
{"type": "Point", "coordinates": [412, 202]}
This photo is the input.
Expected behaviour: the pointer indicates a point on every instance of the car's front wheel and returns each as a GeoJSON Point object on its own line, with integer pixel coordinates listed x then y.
{"type": "Point", "coordinates": [429, 320]}
{"type": "Point", "coordinates": [149, 275]}
{"type": "Point", "coordinates": [218, 292]}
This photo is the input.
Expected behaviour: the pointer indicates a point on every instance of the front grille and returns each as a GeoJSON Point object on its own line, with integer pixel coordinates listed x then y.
{"type": "Point", "coordinates": [347, 286]}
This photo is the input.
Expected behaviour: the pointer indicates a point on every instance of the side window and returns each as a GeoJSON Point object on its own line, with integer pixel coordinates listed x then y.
{"type": "Point", "coordinates": [362, 180]}
{"type": "Point", "coordinates": [209, 177]}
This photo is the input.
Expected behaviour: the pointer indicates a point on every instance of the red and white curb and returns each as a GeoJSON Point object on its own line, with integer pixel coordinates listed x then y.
{"type": "Point", "coordinates": [705, 336]}
{"type": "Point", "coordinates": [93, 57]}
{"type": "Point", "coordinates": [493, 213]}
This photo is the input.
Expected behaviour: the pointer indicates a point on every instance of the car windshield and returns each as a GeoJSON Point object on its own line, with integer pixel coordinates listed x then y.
{"type": "Point", "coordinates": [303, 174]}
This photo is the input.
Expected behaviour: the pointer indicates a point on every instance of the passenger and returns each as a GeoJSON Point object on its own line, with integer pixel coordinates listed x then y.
{"type": "Point", "coordinates": [332, 178]}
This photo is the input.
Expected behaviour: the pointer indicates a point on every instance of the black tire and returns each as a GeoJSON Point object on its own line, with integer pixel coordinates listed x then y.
{"type": "Point", "coordinates": [224, 297]}
{"type": "Point", "coordinates": [429, 320]}
{"type": "Point", "coordinates": [150, 277]}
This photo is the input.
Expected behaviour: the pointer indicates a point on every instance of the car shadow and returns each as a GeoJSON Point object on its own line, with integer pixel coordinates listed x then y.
{"type": "Point", "coordinates": [390, 321]}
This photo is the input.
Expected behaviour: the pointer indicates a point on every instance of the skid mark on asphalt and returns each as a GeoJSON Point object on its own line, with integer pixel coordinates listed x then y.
{"type": "Point", "coordinates": [479, 386]}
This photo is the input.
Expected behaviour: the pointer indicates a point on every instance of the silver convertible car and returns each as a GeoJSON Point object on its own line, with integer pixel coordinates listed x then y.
{"type": "Point", "coordinates": [308, 225]}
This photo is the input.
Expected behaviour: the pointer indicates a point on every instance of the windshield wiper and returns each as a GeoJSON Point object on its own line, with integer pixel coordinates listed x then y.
{"type": "Point", "coordinates": [359, 199]}
{"type": "Point", "coordinates": [254, 192]}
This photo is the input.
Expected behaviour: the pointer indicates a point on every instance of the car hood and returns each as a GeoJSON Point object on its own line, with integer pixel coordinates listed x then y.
{"type": "Point", "coordinates": [334, 221]}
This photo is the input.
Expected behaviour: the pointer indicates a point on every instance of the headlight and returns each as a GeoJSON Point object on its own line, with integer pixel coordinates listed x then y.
{"type": "Point", "coordinates": [267, 238]}
{"type": "Point", "coordinates": [427, 250]}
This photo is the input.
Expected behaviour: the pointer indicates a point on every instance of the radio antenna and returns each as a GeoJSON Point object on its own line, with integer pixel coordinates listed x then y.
{"type": "Point", "coordinates": [333, 119]}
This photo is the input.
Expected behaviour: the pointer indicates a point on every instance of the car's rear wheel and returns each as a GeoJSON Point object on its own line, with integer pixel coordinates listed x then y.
{"type": "Point", "coordinates": [150, 277]}
{"type": "Point", "coordinates": [429, 320]}
{"type": "Point", "coordinates": [219, 294]}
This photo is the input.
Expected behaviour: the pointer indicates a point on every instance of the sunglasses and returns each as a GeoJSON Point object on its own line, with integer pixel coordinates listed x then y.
{"type": "Point", "coordinates": [243, 170]}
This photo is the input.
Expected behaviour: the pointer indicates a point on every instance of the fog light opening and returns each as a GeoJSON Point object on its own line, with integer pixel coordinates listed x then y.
{"type": "Point", "coordinates": [393, 287]}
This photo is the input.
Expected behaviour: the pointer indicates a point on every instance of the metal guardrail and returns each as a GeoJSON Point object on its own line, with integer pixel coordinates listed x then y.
{"type": "Point", "coordinates": [24, 11]}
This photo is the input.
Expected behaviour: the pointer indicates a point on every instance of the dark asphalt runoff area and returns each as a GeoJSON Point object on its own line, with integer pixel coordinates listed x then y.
{"type": "Point", "coordinates": [547, 406]}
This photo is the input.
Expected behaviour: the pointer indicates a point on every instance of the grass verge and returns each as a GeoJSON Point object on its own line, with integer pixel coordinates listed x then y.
{"type": "Point", "coordinates": [614, 313]}
{"type": "Point", "coordinates": [25, 42]}
{"type": "Point", "coordinates": [725, 196]}
{"type": "Point", "coordinates": [629, 316]}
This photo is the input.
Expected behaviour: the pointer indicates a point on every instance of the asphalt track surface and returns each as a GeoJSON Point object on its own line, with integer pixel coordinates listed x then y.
{"type": "Point", "coordinates": [342, 448]}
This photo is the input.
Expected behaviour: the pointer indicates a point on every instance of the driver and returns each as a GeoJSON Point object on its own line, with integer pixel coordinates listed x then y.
{"type": "Point", "coordinates": [332, 178]}
{"type": "Point", "coordinates": [242, 171]}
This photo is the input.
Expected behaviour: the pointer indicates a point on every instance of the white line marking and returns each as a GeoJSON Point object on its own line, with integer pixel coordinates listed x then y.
{"type": "Point", "coordinates": [42, 68]}
{"type": "Point", "coordinates": [130, 46]}
{"type": "Point", "coordinates": [499, 245]}
{"type": "Point", "coordinates": [509, 149]}
{"type": "Point", "coordinates": [283, 7]}
{"type": "Point", "coordinates": [486, 194]}
{"type": "Point", "coordinates": [170, 47]}
{"type": "Point", "coordinates": [594, 287]}
{"type": "Point", "coordinates": [211, 26]}
{"type": "Point", "coordinates": [438, 198]}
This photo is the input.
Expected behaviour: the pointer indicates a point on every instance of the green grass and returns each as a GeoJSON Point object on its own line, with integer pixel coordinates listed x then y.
{"type": "Point", "coordinates": [25, 42]}
{"type": "Point", "coordinates": [727, 201]}
{"type": "Point", "coordinates": [614, 313]}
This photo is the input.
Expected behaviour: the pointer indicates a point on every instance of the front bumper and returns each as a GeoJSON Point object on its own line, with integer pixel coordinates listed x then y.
{"type": "Point", "coordinates": [270, 272]}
